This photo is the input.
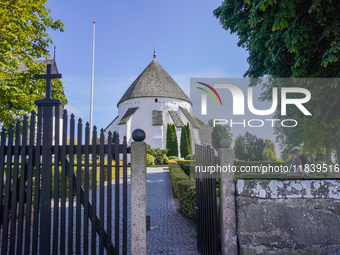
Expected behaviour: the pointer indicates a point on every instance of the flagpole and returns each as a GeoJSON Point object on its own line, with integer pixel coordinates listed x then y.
{"type": "Point", "coordinates": [91, 105]}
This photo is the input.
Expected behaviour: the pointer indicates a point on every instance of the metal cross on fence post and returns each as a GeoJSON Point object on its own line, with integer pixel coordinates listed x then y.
{"type": "Point", "coordinates": [46, 107]}
{"type": "Point", "coordinates": [48, 76]}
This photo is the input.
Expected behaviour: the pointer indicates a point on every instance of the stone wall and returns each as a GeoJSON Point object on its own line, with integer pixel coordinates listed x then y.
{"type": "Point", "coordinates": [288, 217]}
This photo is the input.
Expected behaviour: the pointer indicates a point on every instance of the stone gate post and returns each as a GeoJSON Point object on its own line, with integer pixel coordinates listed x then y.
{"type": "Point", "coordinates": [227, 200]}
{"type": "Point", "coordinates": [138, 193]}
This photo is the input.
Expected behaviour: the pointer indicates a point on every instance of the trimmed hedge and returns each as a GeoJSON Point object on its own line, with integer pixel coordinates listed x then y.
{"type": "Point", "coordinates": [185, 165]}
{"type": "Point", "coordinates": [184, 190]}
{"type": "Point", "coordinates": [172, 161]}
{"type": "Point", "coordinates": [187, 198]}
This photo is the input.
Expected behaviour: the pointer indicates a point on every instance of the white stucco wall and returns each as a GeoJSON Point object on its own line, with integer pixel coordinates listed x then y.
{"type": "Point", "coordinates": [142, 118]}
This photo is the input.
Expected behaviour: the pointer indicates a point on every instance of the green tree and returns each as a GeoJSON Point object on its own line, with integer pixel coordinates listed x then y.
{"type": "Point", "coordinates": [23, 39]}
{"type": "Point", "coordinates": [185, 146]}
{"type": "Point", "coordinates": [254, 147]}
{"type": "Point", "coordinates": [189, 139]}
{"type": "Point", "coordinates": [286, 38]}
{"type": "Point", "coordinates": [184, 142]}
{"type": "Point", "coordinates": [219, 132]}
{"type": "Point", "coordinates": [171, 141]}
{"type": "Point", "coordinates": [271, 156]}
{"type": "Point", "coordinates": [258, 149]}
{"type": "Point", "coordinates": [268, 144]}
{"type": "Point", "coordinates": [239, 148]}
{"type": "Point", "coordinates": [168, 140]}
{"type": "Point", "coordinates": [175, 142]}
{"type": "Point", "coordinates": [292, 39]}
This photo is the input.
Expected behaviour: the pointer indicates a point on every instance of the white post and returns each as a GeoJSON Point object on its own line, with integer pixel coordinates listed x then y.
{"type": "Point", "coordinates": [92, 74]}
{"type": "Point", "coordinates": [227, 201]}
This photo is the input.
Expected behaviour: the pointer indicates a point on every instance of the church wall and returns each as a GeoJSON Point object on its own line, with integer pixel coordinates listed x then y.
{"type": "Point", "coordinates": [178, 133]}
{"type": "Point", "coordinates": [113, 127]}
{"type": "Point", "coordinates": [142, 118]}
{"type": "Point", "coordinates": [157, 139]}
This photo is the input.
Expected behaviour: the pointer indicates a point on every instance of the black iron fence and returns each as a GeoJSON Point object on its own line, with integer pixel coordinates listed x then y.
{"type": "Point", "coordinates": [57, 191]}
{"type": "Point", "coordinates": [206, 202]}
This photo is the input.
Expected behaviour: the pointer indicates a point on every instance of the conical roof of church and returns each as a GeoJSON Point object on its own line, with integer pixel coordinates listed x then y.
{"type": "Point", "coordinates": [154, 81]}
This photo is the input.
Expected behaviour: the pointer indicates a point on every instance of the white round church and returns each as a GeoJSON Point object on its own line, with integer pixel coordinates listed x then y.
{"type": "Point", "coordinates": [152, 101]}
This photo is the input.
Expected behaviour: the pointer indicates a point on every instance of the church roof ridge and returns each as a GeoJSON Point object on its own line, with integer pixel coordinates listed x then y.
{"type": "Point", "coordinates": [154, 81]}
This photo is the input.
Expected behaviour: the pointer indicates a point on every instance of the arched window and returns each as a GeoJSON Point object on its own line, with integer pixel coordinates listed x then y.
{"type": "Point", "coordinates": [156, 100]}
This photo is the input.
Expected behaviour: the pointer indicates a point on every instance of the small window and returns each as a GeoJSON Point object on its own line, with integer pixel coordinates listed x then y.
{"type": "Point", "coordinates": [156, 100]}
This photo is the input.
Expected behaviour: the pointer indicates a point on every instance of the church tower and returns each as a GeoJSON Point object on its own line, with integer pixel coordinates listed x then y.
{"type": "Point", "coordinates": [152, 101]}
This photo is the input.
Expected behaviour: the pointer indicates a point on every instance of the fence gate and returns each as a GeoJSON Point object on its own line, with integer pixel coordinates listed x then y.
{"type": "Point", "coordinates": [57, 190]}
{"type": "Point", "coordinates": [206, 202]}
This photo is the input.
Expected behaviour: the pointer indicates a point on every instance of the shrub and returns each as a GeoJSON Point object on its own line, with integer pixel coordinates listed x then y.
{"type": "Point", "coordinates": [190, 157]}
{"type": "Point", "coordinates": [184, 190]}
{"type": "Point", "coordinates": [165, 160]}
{"type": "Point", "coordinates": [159, 156]}
{"type": "Point", "coordinates": [176, 174]}
{"type": "Point", "coordinates": [150, 160]}
{"type": "Point", "coordinates": [173, 157]}
{"type": "Point", "coordinates": [171, 161]}
{"type": "Point", "coordinates": [185, 165]}
{"type": "Point", "coordinates": [187, 198]}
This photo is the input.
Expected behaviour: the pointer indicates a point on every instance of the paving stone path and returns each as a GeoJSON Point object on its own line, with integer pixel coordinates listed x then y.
{"type": "Point", "coordinates": [171, 232]}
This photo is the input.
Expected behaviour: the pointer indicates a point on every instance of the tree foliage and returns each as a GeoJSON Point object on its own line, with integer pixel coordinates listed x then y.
{"type": "Point", "coordinates": [171, 141]}
{"type": "Point", "coordinates": [239, 148]}
{"type": "Point", "coordinates": [24, 39]}
{"type": "Point", "coordinates": [158, 156]}
{"type": "Point", "coordinates": [269, 144]}
{"type": "Point", "coordinates": [271, 156]}
{"type": "Point", "coordinates": [249, 147]}
{"type": "Point", "coordinates": [185, 146]}
{"type": "Point", "coordinates": [293, 39]}
{"type": "Point", "coordinates": [219, 132]}
{"type": "Point", "coordinates": [286, 38]}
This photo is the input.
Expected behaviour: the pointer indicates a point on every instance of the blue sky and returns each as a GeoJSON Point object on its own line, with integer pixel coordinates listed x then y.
{"type": "Point", "coordinates": [189, 43]}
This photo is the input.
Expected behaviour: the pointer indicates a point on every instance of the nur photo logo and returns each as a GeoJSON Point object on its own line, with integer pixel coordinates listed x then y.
{"type": "Point", "coordinates": [243, 101]}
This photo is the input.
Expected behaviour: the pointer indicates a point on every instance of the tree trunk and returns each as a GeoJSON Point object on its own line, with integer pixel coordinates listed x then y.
{"type": "Point", "coordinates": [328, 155]}
{"type": "Point", "coordinates": [310, 156]}
{"type": "Point", "coordinates": [337, 145]}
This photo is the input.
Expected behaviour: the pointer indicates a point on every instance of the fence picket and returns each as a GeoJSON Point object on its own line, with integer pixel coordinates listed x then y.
{"type": "Point", "coordinates": [31, 156]}
{"type": "Point", "coordinates": [117, 195]}
{"type": "Point", "coordinates": [94, 191]}
{"type": "Point", "coordinates": [37, 184]}
{"type": "Point", "coordinates": [124, 196]}
{"type": "Point", "coordinates": [78, 187]}
{"type": "Point", "coordinates": [101, 198]}
{"type": "Point", "coordinates": [2, 168]}
{"type": "Point", "coordinates": [22, 189]}
{"type": "Point", "coordinates": [109, 190]}
{"type": "Point", "coordinates": [86, 189]}
{"type": "Point", "coordinates": [71, 187]}
{"type": "Point", "coordinates": [63, 185]}
{"type": "Point", "coordinates": [56, 181]}
{"type": "Point", "coordinates": [7, 191]}
{"type": "Point", "coordinates": [15, 188]}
